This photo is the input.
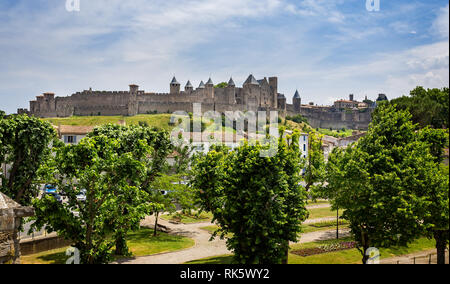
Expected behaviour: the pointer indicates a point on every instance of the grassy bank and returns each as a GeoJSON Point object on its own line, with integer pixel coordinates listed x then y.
{"type": "Point", "coordinates": [189, 219]}
{"type": "Point", "coordinates": [140, 243]}
{"type": "Point", "coordinates": [351, 256]}
{"type": "Point", "coordinates": [156, 120]}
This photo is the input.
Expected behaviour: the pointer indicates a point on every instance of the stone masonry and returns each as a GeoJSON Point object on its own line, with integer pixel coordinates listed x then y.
{"type": "Point", "coordinates": [10, 218]}
{"type": "Point", "coordinates": [254, 95]}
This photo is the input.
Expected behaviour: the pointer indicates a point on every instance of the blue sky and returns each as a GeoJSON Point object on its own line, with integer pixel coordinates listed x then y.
{"type": "Point", "coordinates": [325, 48]}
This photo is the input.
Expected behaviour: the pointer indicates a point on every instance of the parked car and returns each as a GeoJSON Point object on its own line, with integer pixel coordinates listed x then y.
{"type": "Point", "coordinates": [55, 195]}
{"type": "Point", "coordinates": [82, 195]}
{"type": "Point", "coordinates": [49, 188]}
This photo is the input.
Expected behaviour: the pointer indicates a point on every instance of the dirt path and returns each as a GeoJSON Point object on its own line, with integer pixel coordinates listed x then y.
{"type": "Point", "coordinates": [326, 205]}
{"type": "Point", "coordinates": [318, 220]}
{"type": "Point", "coordinates": [322, 235]}
{"type": "Point", "coordinates": [203, 247]}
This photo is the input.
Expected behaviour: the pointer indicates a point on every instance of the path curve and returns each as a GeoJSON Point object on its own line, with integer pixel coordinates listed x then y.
{"type": "Point", "coordinates": [204, 248]}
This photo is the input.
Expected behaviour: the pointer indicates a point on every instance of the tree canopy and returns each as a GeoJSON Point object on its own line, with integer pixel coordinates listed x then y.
{"type": "Point", "coordinates": [257, 199]}
{"type": "Point", "coordinates": [429, 107]}
{"type": "Point", "coordinates": [25, 144]}
{"type": "Point", "coordinates": [381, 181]}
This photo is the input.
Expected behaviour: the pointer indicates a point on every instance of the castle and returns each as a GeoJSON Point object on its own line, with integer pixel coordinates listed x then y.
{"type": "Point", "coordinates": [254, 95]}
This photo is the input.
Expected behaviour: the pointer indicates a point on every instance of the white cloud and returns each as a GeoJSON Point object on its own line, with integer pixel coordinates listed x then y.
{"type": "Point", "coordinates": [318, 9]}
{"type": "Point", "coordinates": [440, 26]}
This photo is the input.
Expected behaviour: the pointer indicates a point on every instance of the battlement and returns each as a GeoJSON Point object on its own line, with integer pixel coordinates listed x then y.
{"type": "Point", "coordinates": [254, 95]}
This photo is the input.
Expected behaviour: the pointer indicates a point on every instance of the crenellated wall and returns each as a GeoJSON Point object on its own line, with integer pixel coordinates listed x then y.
{"type": "Point", "coordinates": [254, 95]}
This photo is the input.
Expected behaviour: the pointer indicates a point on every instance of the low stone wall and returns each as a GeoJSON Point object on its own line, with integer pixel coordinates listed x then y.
{"type": "Point", "coordinates": [6, 247]}
{"type": "Point", "coordinates": [40, 244]}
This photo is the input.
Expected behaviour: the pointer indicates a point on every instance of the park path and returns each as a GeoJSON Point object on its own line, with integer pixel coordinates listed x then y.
{"type": "Point", "coordinates": [319, 220]}
{"type": "Point", "coordinates": [204, 248]}
{"type": "Point", "coordinates": [325, 205]}
{"type": "Point", "coordinates": [422, 257]}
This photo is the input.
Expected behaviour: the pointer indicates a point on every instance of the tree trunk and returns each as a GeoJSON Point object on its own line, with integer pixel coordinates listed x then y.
{"type": "Point", "coordinates": [365, 244]}
{"type": "Point", "coordinates": [121, 245]}
{"type": "Point", "coordinates": [439, 236]}
{"type": "Point", "coordinates": [337, 224]}
{"type": "Point", "coordinates": [156, 224]}
{"type": "Point", "coordinates": [286, 256]}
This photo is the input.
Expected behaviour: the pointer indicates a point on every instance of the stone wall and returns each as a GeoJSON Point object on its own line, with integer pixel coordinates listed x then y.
{"type": "Point", "coordinates": [38, 245]}
{"type": "Point", "coordinates": [6, 247]}
{"type": "Point", "coordinates": [252, 96]}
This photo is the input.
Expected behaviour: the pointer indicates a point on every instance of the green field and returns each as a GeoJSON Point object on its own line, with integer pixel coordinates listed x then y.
{"type": "Point", "coordinates": [336, 133]}
{"type": "Point", "coordinates": [156, 120]}
{"type": "Point", "coordinates": [322, 213]}
{"type": "Point", "coordinates": [351, 256]}
{"type": "Point", "coordinates": [189, 219]}
{"type": "Point", "coordinates": [140, 243]}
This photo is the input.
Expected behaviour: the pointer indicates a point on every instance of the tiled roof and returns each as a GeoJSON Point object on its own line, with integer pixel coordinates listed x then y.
{"type": "Point", "coordinates": [72, 129]}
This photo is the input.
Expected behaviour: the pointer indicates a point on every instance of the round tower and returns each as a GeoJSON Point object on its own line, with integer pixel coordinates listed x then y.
{"type": "Point", "coordinates": [210, 88]}
{"type": "Point", "coordinates": [174, 86]}
{"type": "Point", "coordinates": [297, 101]}
{"type": "Point", "coordinates": [188, 88]}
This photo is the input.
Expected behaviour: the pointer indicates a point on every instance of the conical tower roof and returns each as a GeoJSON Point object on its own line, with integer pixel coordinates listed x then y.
{"type": "Point", "coordinates": [202, 85]}
{"type": "Point", "coordinates": [189, 85]}
{"type": "Point", "coordinates": [231, 82]}
{"type": "Point", "coordinates": [296, 95]}
{"type": "Point", "coordinates": [251, 80]}
{"type": "Point", "coordinates": [174, 81]}
{"type": "Point", "coordinates": [210, 82]}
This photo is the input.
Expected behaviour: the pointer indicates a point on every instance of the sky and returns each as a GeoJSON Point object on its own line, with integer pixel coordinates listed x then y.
{"type": "Point", "coordinates": [327, 49]}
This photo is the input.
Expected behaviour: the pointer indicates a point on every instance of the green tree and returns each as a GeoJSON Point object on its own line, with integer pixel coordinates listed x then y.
{"type": "Point", "coordinates": [427, 106]}
{"type": "Point", "coordinates": [96, 166]}
{"type": "Point", "coordinates": [221, 85]}
{"type": "Point", "coordinates": [131, 140]}
{"type": "Point", "coordinates": [315, 164]}
{"type": "Point", "coordinates": [377, 181]}
{"type": "Point", "coordinates": [162, 197]}
{"type": "Point", "coordinates": [436, 220]}
{"type": "Point", "coordinates": [24, 145]}
{"type": "Point", "coordinates": [257, 199]}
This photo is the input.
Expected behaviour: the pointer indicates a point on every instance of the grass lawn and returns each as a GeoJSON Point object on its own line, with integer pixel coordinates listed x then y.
{"type": "Point", "coordinates": [351, 256]}
{"type": "Point", "coordinates": [140, 243]}
{"type": "Point", "coordinates": [336, 133]}
{"type": "Point", "coordinates": [189, 219]}
{"type": "Point", "coordinates": [317, 202]}
{"type": "Point", "coordinates": [157, 120]}
{"type": "Point", "coordinates": [322, 213]}
{"type": "Point", "coordinates": [305, 228]}
{"type": "Point", "coordinates": [322, 226]}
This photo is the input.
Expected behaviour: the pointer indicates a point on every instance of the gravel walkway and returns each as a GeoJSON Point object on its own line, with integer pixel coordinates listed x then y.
{"type": "Point", "coordinates": [318, 220]}
{"type": "Point", "coordinates": [203, 247]}
{"type": "Point", "coordinates": [422, 257]}
{"type": "Point", "coordinates": [326, 205]}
